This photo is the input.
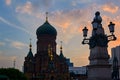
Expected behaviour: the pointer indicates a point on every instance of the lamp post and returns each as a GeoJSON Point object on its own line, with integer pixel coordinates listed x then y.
{"type": "Point", "coordinates": [97, 24]}
{"type": "Point", "coordinates": [99, 67]}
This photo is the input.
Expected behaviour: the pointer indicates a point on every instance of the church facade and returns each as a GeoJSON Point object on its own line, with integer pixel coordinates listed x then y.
{"type": "Point", "coordinates": [46, 64]}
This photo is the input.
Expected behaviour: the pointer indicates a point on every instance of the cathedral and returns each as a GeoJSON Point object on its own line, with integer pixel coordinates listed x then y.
{"type": "Point", "coordinates": [46, 64]}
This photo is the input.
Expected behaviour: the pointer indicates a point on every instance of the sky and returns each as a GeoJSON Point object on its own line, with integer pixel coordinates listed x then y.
{"type": "Point", "coordinates": [19, 20]}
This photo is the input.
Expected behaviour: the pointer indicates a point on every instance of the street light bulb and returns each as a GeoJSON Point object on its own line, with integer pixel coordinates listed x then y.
{"type": "Point", "coordinates": [85, 31]}
{"type": "Point", "coordinates": [111, 27]}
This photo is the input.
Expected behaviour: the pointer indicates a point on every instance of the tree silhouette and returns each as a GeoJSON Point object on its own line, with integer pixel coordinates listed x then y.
{"type": "Point", "coordinates": [12, 74]}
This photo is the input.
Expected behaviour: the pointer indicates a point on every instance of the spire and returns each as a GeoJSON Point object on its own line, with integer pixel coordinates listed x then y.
{"type": "Point", "coordinates": [61, 47]}
{"type": "Point", "coordinates": [30, 44]}
{"type": "Point", "coordinates": [14, 63]}
{"type": "Point", "coordinates": [61, 52]}
{"type": "Point", "coordinates": [30, 54]}
{"type": "Point", "coordinates": [46, 16]}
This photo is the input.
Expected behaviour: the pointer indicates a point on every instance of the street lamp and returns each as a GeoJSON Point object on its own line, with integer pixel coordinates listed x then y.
{"type": "Point", "coordinates": [98, 38]}
{"type": "Point", "coordinates": [85, 31]}
{"type": "Point", "coordinates": [111, 27]}
{"type": "Point", "coordinates": [98, 43]}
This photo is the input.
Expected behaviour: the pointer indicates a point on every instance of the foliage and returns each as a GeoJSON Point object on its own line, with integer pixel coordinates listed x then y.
{"type": "Point", "coordinates": [13, 74]}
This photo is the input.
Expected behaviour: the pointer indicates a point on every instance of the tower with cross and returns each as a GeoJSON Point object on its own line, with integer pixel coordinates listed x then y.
{"type": "Point", "coordinates": [47, 64]}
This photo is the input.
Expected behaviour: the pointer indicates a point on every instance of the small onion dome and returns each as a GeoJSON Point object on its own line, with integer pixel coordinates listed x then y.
{"type": "Point", "coordinates": [46, 28]}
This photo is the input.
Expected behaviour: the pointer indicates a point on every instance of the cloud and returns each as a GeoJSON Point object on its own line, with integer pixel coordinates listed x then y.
{"type": "Point", "coordinates": [43, 4]}
{"type": "Point", "coordinates": [110, 8]}
{"type": "Point", "coordinates": [2, 43]}
{"type": "Point", "coordinates": [13, 25]}
{"type": "Point", "coordinates": [80, 60]}
{"type": "Point", "coordinates": [69, 22]}
{"type": "Point", "coordinates": [65, 21]}
{"type": "Point", "coordinates": [76, 2]}
{"type": "Point", "coordinates": [16, 44]}
{"type": "Point", "coordinates": [6, 61]}
{"type": "Point", "coordinates": [27, 8]}
{"type": "Point", "coordinates": [8, 2]}
{"type": "Point", "coordinates": [116, 20]}
{"type": "Point", "coordinates": [3, 57]}
{"type": "Point", "coordinates": [33, 7]}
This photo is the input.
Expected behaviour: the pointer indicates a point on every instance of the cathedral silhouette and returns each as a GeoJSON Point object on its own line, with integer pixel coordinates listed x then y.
{"type": "Point", "coordinates": [46, 64]}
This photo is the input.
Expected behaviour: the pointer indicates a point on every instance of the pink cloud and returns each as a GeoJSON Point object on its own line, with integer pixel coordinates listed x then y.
{"type": "Point", "coordinates": [8, 2]}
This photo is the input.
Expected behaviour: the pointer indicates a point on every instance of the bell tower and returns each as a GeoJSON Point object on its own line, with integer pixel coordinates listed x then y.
{"type": "Point", "coordinates": [48, 65]}
{"type": "Point", "coordinates": [29, 63]}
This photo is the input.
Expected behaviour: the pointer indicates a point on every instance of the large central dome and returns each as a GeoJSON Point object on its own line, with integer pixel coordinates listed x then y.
{"type": "Point", "coordinates": [46, 28]}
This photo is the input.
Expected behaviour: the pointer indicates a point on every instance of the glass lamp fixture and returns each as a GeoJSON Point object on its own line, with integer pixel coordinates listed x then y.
{"type": "Point", "coordinates": [85, 31]}
{"type": "Point", "coordinates": [111, 27]}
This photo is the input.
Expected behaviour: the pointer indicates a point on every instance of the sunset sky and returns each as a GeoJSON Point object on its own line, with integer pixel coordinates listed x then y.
{"type": "Point", "coordinates": [19, 20]}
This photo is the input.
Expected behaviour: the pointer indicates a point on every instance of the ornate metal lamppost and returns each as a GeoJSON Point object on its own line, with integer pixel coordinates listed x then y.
{"type": "Point", "coordinates": [98, 43]}
{"type": "Point", "coordinates": [94, 40]}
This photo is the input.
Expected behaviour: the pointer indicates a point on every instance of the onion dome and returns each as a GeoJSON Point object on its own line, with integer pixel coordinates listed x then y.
{"type": "Point", "coordinates": [46, 28]}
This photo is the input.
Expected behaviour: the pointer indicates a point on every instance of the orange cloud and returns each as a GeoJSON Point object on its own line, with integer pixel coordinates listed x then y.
{"type": "Point", "coordinates": [115, 20]}
{"type": "Point", "coordinates": [110, 8]}
{"type": "Point", "coordinates": [70, 22]}
{"type": "Point", "coordinates": [65, 25]}
{"type": "Point", "coordinates": [89, 27]}
{"type": "Point", "coordinates": [80, 60]}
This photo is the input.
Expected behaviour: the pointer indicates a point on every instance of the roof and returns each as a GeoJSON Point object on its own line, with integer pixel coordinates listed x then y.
{"type": "Point", "coordinates": [30, 54]}
{"type": "Point", "coordinates": [62, 56]}
{"type": "Point", "coordinates": [78, 70]}
{"type": "Point", "coordinates": [46, 28]}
